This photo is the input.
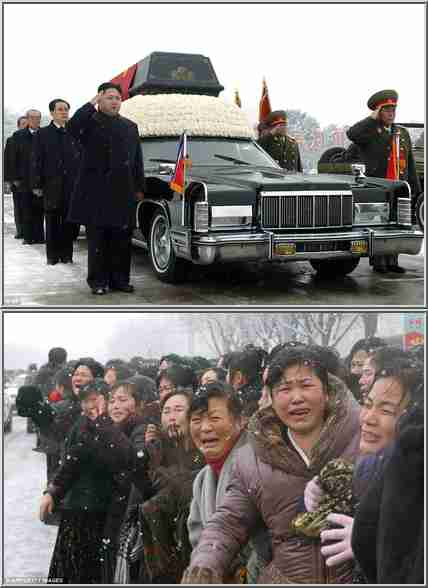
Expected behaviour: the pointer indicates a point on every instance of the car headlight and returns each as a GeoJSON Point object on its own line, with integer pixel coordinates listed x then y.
{"type": "Point", "coordinates": [231, 216]}
{"type": "Point", "coordinates": [371, 213]}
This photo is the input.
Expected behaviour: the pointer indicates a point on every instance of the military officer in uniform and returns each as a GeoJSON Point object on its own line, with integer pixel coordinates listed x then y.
{"type": "Point", "coordinates": [386, 150]}
{"type": "Point", "coordinates": [280, 146]}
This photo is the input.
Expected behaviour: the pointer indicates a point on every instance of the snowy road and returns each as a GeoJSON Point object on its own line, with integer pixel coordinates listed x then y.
{"type": "Point", "coordinates": [29, 281]}
{"type": "Point", "coordinates": [28, 543]}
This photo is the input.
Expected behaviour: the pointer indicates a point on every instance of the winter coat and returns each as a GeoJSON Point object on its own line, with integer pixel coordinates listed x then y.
{"type": "Point", "coordinates": [54, 166]}
{"type": "Point", "coordinates": [111, 169]}
{"type": "Point", "coordinates": [374, 143]}
{"type": "Point", "coordinates": [20, 159]}
{"type": "Point", "coordinates": [209, 491]}
{"type": "Point", "coordinates": [284, 150]}
{"type": "Point", "coordinates": [53, 420]}
{"type": "Point", "coordinates": [167, 549]}
{"type": "Point", "coordinates": [388, 531]}
{"type": "Point", "coordinates": [8, 159]}
{"type": "Point", "coordinates": [101, 463]}
{"type": "Point", "coordinates": [45, 377]}
{"type": "Point", "coordinates": [269, 478]}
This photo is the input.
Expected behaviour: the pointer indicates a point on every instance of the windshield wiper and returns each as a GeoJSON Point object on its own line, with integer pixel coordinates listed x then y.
{"type": "Point", "coordinates": [163, 160]}
{"type": "Point", "coordinates": [227, 158]}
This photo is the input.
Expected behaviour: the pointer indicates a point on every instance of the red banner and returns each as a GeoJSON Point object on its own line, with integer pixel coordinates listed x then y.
{"type": "Point", "coordinates": [264, 106]}
{"type": "Point", "coordinates": [125, 80]}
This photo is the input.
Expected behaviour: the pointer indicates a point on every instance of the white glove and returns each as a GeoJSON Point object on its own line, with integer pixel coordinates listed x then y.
{"type": "Point", "coordinates": [341, 550]}
{"type": "Point", "coordinates": [38, 192]}
{"type": "Point", "coordinates": [7, 188]}
{"type": "Point", "coordinates": [312, 495]}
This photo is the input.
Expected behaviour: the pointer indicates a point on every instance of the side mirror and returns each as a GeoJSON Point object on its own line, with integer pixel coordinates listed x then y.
{"type": "Point", "coordinates": [358, 170]}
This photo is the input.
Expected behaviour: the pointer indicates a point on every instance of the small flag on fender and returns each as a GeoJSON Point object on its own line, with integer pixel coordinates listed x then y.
{"type": "Point", "coordinates": [178, 180]}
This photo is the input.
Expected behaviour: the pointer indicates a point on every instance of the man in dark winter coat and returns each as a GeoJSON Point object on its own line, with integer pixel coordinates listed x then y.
{"type": "Point", "coordinates": [386, 150]}
{"type": "Point", "coordinates": [54, 166]}
{"type": "Point", "coordinates": [32, 206]}
{"type": "Point", "coordinates": [111, 179]}
{"type": "Point", "coordinates": [22, 123]}
{"type": "Point", "coordinates": [44, 380]}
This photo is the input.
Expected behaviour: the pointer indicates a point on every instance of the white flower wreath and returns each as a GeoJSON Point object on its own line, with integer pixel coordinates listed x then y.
{"type": "Point", "coordinates": [172, 114]}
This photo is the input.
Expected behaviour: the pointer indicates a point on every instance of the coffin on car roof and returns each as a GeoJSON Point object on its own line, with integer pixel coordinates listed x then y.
{"type": "Point", "coordinates": [187, 73]}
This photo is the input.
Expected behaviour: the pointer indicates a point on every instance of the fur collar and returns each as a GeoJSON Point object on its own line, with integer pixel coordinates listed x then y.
{"type": "Point", "coordinates": [340, 427]}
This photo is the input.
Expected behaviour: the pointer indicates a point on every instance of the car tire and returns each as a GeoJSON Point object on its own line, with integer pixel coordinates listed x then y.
{"type": "Point", "coordinates": [331, 155]}
{"type": "Point", "coordinates": [167, 267]}
{"type": "Point", "coordinates": [334, 268]}
{"type": "Point", "coordinates": [420, 210]}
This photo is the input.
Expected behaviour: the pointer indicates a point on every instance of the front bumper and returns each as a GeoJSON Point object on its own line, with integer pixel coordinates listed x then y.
{"type": "Point", "coordinates": [207, 249]}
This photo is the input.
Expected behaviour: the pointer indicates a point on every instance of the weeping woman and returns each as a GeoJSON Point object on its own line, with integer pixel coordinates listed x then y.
{"type": "Point", "coordinates": [103, 455]}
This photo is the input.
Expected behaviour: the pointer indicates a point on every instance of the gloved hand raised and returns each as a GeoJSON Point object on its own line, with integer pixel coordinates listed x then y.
{"type": "Point", "coordinates": [312, 495]}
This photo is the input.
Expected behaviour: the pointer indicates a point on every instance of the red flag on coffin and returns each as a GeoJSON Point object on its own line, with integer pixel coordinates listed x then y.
{"type": "Point", "coordinates": [178, 180]}
{"type": "Point", "coordinates": [125, 80]}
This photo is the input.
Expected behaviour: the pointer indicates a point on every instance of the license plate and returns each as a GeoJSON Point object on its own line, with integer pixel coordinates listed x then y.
{"type": "Point", "coordinates": [285, 249]}
{"type": "Point", "coordinates": [359, 247]}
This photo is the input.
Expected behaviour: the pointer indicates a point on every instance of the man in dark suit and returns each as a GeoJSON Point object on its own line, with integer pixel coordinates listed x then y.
{"type": "Point", "coordinates": [54, 166]}
{"type": "Point", "coordinates": [110, 180]}
{"type": "Point", "coordinates": [386, 150]}
{"type": "Point", "coordinates": [22, 123]}
{"type": "Point", "coordinates": [32, 207]}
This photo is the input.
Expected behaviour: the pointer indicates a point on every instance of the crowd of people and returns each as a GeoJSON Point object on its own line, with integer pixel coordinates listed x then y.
{"type": "Point", "coordinates": [284, 466]}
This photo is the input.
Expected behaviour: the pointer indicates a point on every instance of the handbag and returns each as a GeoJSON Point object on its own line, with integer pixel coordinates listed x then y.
{"type": "Point", "coordinates": [131, 546]}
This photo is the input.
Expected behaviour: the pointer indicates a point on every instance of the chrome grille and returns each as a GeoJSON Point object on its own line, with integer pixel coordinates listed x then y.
{"type": "Point", "coordinates": [404, 213]}
{"type": "Point", "coordinates": [284, 210]}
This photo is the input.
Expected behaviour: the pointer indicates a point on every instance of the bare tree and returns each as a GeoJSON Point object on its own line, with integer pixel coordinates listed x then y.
{"type": "Point", "coordinates": [229, 332]}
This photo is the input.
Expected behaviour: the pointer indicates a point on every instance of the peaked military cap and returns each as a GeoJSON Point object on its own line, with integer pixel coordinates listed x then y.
{"type": "Point", "coordinates": [383, 98]}
{"type": "Point", "coordinates": [277, 117]}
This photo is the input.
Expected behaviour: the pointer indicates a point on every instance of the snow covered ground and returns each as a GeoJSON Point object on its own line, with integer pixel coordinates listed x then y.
{"type": "Point", "coordinates": [28, 543]}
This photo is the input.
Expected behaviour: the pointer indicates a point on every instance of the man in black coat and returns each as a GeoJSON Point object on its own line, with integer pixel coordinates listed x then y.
{"type": "Point", "coordinates": [377, 137]}
{"type": "Point", "coordinates": [32, 206]}
{"type": "Point", "coordinates": [22, 123]}
{"type": "Point", "coordinates": [54, 166]}
{"type": "Point", "coordinates": [110, 180]}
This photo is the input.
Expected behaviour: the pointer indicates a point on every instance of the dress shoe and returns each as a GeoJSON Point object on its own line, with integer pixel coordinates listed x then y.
{"type": "Point", "coordinates": [99, 291]}
{"type": "Point", "coordinates": [39, 242]}
{"type": "Point", "coordinates": [25, 242]}
{"type": "Point", "coordinates": [52, 261]}
{"type": "Point", "coordinates": [18, 236]}
{"type": "Point", "coordinates": [66, 260]}
{"type": "Point", "coordinates": [129, 288]}
{"type": "Point", "coordinates": [380, 269]}
{"type": "Point", "coordinates": [396, 269]}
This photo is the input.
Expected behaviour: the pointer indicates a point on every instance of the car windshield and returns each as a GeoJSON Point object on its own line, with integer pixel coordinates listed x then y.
{"type": "Point", "coordinates": [206, 151]}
